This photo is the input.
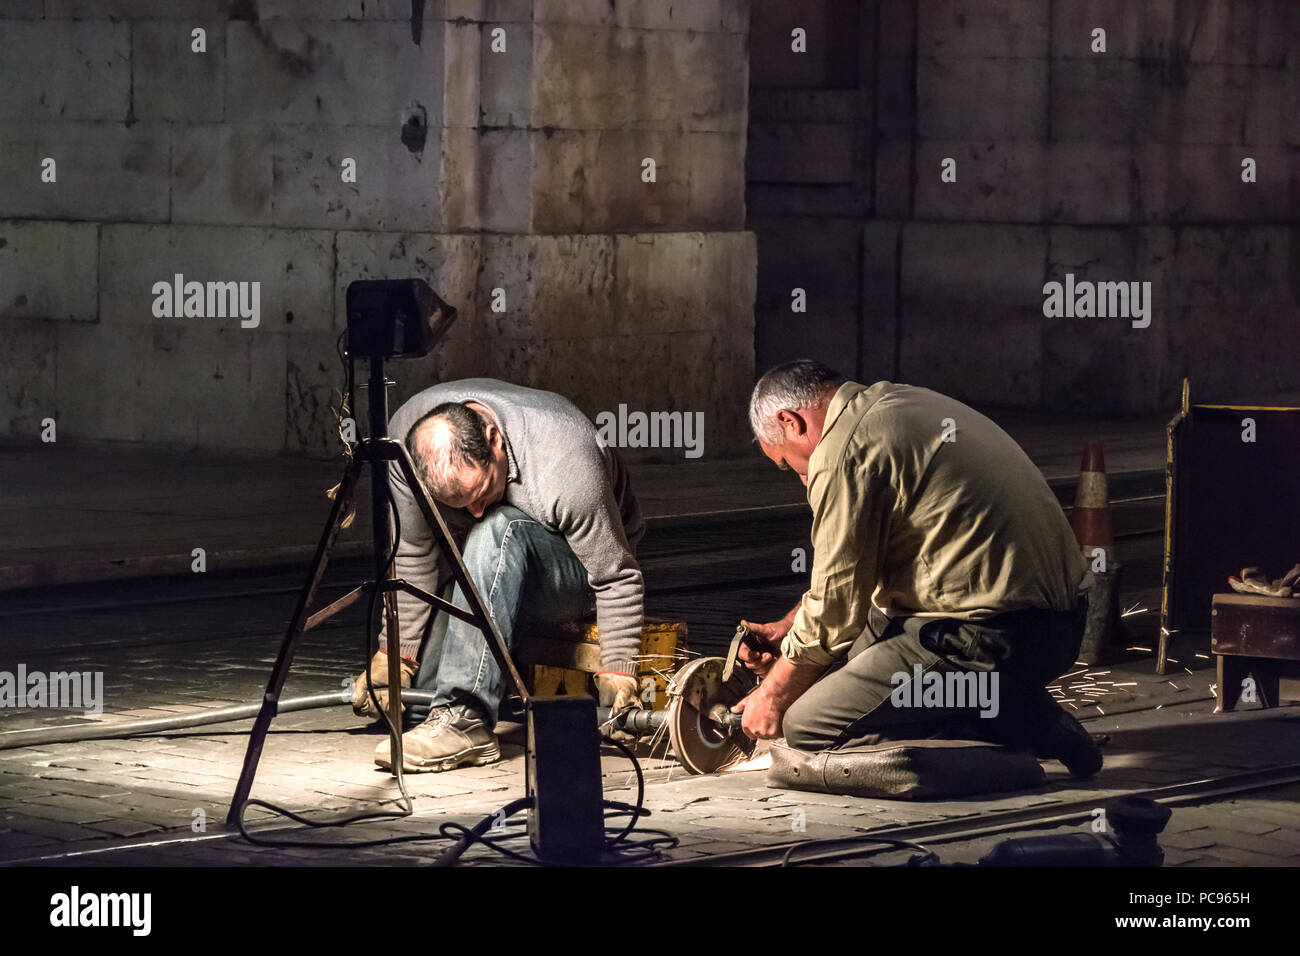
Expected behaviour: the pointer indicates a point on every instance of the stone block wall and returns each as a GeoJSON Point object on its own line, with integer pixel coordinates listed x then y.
{"type": "Point", "coordinates": [498, 144]}
{"type": "Point", "coordinates": [1122, 165]}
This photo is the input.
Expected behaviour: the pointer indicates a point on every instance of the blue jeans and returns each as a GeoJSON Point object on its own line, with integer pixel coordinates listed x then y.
{"type": "Point", "coordinates": [526, 576]}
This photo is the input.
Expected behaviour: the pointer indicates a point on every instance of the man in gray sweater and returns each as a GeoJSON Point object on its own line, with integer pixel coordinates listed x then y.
{"type": "Point", "coordinates": [548, 526]}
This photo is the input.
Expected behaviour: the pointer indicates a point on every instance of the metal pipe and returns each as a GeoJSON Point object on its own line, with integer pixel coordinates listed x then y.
{"type": "Point", "coordinates": [112, 729]}
{"type": "Point", "coordinates": [641, 723]}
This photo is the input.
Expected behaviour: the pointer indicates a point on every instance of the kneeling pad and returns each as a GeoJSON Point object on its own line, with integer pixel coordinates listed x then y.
{"type": "Point", "coordinates": [907, 769]}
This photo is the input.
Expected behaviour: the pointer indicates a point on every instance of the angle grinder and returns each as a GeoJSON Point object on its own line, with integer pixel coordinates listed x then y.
{"type": "Point", "coordinates": [705, 734]}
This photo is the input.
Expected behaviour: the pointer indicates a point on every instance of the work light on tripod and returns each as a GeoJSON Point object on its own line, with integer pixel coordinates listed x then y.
{"type": "Point", "coordinates": [395, 318]}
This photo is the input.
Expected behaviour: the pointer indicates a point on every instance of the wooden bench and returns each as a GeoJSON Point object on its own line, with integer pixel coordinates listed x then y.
{"type": "Point", "coordinates": [562, 658]}
{"type": "Point", "coordinates": [1254, 636]}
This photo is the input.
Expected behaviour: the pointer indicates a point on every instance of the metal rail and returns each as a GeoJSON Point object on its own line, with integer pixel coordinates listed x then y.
{"type": "Point", "coordinates": [989, 824]}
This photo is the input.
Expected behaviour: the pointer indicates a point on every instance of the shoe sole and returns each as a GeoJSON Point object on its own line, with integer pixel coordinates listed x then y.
{"type": "Point", "coordinates": [472, 757]}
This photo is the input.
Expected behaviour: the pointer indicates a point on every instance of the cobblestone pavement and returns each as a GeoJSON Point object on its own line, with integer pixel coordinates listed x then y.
{"type": "Point", "coordinates": [87, 803]}
{"type": "Point", "coordinates": [162, 799]}
{"type": "Point", "coordinates": [1261, 828]}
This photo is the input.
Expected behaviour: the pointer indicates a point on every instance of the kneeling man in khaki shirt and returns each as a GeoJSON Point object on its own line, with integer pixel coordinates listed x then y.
{"type": "Point", "coordinates": [947, 587]}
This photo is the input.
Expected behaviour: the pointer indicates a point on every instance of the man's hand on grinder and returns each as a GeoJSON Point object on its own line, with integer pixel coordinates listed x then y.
{"type": "Point", "coordinates": [619, 692]}
{"type": "Point", "coordinates": [770, 636]}
{"type": "Point", "coordinates": [765, 707]}
{"type": "Point", "coordinates": [762, 718]}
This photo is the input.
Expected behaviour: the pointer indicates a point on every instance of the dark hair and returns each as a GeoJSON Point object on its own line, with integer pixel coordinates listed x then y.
{"type": "Point", "coordinates": [467, 448]}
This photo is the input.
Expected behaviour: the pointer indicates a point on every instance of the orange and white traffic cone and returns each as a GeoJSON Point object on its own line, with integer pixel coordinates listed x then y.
{"type": "Point", "coordinates": [1090, 521]}
{"type": "Point", "coordinates": [1090, 518]}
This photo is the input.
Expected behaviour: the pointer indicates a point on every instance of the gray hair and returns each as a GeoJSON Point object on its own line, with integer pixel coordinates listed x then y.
{"type": "Point", "coordinates": [803, 383]}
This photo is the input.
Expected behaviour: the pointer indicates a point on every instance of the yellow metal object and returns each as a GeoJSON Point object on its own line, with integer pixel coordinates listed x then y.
{"type": "Point", "coordinates": [663, 650]}
{"type": "Point", "coordinates": [558, 681]}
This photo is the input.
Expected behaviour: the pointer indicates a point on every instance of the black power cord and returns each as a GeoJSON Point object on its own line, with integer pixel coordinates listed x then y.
{"type": "Point", "coordinates": [466, 837]}
{"type": "Point", "coordinates": [619, 844]}
{"type": "Point", "coordinates": [348, 394]}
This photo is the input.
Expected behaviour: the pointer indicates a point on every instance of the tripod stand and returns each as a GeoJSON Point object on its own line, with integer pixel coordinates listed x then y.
{"type": "Point", "coordinates": [377, 450]}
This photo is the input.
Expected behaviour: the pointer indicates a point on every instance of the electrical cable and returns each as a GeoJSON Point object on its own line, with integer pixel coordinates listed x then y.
{"type": "Point", "coordinates": [471, 835]}
{"type": "Point", "coordinates": [347, 395]}
{"type": "Point", "coordinates": [150, 726]}
{"type": "Point", "coordinates": [635, 811]}
{"type": "Point", "coordinates": [620, 844]}
{"type": "Point", "coordinates": [467, 837]}
{"type": "Point", "coordinates": [928, 857]}
{"type": "Point", "coordinates": [648, 849]}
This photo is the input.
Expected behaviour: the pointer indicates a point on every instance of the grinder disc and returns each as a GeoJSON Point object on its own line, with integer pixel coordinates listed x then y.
{"type": "Point", "coordinates": [701, 744]}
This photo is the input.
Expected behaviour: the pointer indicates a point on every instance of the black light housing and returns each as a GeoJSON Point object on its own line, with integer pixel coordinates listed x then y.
{"type": "Point", "coordinates": [395, 318]}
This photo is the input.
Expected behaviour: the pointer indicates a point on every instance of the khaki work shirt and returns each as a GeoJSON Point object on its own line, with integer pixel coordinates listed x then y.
{"type": "Point", "coordinates": [965, 528]}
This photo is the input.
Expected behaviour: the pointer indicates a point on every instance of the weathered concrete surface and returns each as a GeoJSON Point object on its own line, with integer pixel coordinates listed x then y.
{"type": "Point", "coordinates": [337, 72]}
{"type": "Point", "coordinates": [184, 385]}
{"type": "Point", "coordinates": [294, 268]}
{"type": "Point", "coordinates": [669, 80]}
{"type": "Point", "coordinates": [223, 174]}
{"type": "Point", "coordinates": [1122, 165]}
{"type": "Point", "coordinates": [102, 170]}
{"type": "Point", "coordinates": [819, 258]}
{"type": "Point", "coordinates": [49, 270]}
{"type": "Point", "coordinates": [170, 81]}
{"type": "Point", "coordinates": [27, 351]}
{"type": "Point", "coordinates": [477, 167]}
{"type": "Point", "coordinates": [966, 334]}
{"type": "Point", "coordinates": [65, 70]}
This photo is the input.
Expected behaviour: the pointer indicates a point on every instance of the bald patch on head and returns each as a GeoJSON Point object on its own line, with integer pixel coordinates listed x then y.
{"type": "Point", "coordinates": [433, 446]}
{"type": "Point", "coordinates": [431, 435]}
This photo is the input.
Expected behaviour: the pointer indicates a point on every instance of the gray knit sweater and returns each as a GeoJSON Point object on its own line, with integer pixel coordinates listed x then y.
{"type": "Point", "coordinates": [562, 477]}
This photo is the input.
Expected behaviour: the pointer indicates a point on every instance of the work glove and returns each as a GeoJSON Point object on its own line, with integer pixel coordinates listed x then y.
{"type": "Point", "coordinates": [620, 692]}
{"type": "Point", "coordinates": [362, 705]}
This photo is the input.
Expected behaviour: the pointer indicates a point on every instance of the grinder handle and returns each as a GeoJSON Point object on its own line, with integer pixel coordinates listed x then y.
{"type": "Point", "coordinates": [744, 636]}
